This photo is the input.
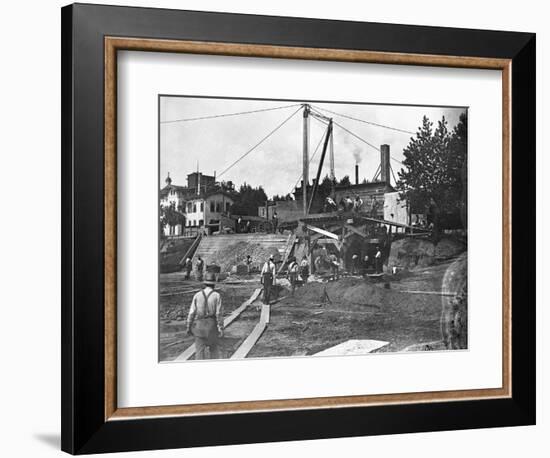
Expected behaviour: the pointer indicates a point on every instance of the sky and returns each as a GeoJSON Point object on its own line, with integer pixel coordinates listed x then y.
{"type": "Point", "coordinates": [276, 164]}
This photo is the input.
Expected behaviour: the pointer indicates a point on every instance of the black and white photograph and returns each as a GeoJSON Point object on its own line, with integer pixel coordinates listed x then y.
{"type": "Point", "coordinates": [275, 229]}
{"type": "Point", "coordinates": [298, 228]}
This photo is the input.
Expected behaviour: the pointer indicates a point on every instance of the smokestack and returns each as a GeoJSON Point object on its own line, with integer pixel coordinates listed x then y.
{"type": "Point", "coordinates": [356, 173]}
{"type": "Point", "coordinates": [385, 163]}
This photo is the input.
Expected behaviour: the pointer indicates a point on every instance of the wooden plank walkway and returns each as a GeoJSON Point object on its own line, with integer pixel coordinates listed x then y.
{"type": "Point", "coordinates": [190, 351]}
{"type": "Point", "coordinates": [253, 337]}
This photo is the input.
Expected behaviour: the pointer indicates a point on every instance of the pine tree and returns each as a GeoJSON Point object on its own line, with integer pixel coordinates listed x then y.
{"type": "Point", "coordinates": [434, 173]}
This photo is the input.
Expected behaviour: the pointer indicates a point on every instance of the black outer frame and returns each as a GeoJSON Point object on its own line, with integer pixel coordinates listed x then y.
{"type": "Point", "coordinates": [84, 429]}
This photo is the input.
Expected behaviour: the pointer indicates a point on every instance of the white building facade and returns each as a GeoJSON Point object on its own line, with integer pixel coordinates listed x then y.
{"type": "Point", "coordinates": [205, 212]}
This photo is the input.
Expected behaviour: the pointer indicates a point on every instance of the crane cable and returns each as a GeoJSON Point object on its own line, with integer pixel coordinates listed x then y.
{"type": "Point", "coordinates": [229, 114]}
{"type": "Point", "coordinates": [366, 122]}
{"type": "Point", "coordinates": [260, 142]}
{"type": "Point", "coordinates": [364, 141]}
{"type": "Point", "coordinates": [393, 174]}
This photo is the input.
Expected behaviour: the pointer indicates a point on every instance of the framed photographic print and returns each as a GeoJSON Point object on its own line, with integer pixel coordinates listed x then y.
{"type": "Point", "coordinates": [271, 222]}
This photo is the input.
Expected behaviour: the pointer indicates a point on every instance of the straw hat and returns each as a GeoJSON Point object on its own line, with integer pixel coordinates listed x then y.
{"type": "Point", "coordinates": [210, 279]}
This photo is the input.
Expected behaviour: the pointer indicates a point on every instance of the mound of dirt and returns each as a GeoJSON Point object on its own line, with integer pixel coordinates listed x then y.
{"type": "Point", "coordinates": [409, 253]}
{"type": "Point", "coordinates": [454, 311]}
{"type": "Point", "coordinates": [351, 291]}
{"type": "Point", "coordinates": [235, 254]}
{"type": "Point", "coordinates": [172, 252]}
{"type": "Point", "coordinates": [448, 248]}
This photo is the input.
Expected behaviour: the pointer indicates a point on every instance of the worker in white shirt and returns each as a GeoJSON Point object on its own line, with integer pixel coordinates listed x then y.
{"type": "Point", "coordinates": [349, 204]}
{"type": "Point", "coordinates": [366, 263]}
{"type": "Point", "coordinates": [205, 319]}
{"type": "Point", "coordinates": [293, 274]}
{"type": "Point", "coordinates": [268, 278]}
{"type": "Point", "coordinates": [304, 269]}
{"type": "Point", "coordinates": [334, 266]}
{"type": "Point", "coordinates": [187, 269]}
{"type": "Point", "coordinates": [357, 204]}
{"type": "Point", "coordinates": [378, 260]}
{"type": "Point", "coordinates": [330, 205]}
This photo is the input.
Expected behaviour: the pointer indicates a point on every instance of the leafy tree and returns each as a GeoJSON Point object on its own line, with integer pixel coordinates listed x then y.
{"type": "Point", "coordinates": [281, 198]}
{"type": "Point", "coordinates": [171, 216]}
{"type": "Point", "coordinates": [248, 199]}
{"type": "Point", "coordinates": [434, 178]}
{"type": "Point", "coordinates": [459, 148]}
{"type": "Point", "coordinates": [345, 181]}
{"type": "Point", "coordinates": [325, 187]}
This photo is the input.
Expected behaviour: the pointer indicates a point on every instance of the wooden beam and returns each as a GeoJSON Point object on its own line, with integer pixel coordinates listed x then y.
{"type": "Point", "coordinates": [332, 229]}
{"type": "Point", "coordinates": [289, 245]}
{"type": "Point", "coordinates": [392, 223]}
{"type": "Point", "coordinates": [355, 230]}
{"type": "Point", "coordinates": [191, 249]}
{"type": "Point", "coordinates": [235, 314]}
{"type": "Point", "coordinates": [190, 351]}
{"type": "Point", "coordinates": [253, 337]}
{"type": "Point", "coordinates": [325, 240]}
{"type": "Point", "coordinates": [322, 231]}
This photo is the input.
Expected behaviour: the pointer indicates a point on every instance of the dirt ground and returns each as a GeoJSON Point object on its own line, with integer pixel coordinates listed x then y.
{"type": "Point", "coordinates": [311, 321]}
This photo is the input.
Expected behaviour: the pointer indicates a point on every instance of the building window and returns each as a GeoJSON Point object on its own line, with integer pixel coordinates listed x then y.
{"type": "Point", "coordinates": [194, 208]}
{"type": "Point", "coordinates": [212, 206]}
{"type": "Point", "coordinates": [189, 207]}
{"type": "Point", "coordinates": [218, 207]}
{"type": "Point", "coordinates": [227, 206]}
{"type": "Point", "coordinates": [202, 206]}
{"type": "Point", "coordinates": [201, 222]}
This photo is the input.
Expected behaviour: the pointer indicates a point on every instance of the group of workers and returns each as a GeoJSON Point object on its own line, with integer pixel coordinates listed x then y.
{"type": "Point", "coordinates": [188, 269]}
{"type": "Point", "coordinates": [205, 317]}
{"type": "Point", "coordinates": [242, 227]}
{"type": "Point", "coordinates": [347, 204]}
{"type": "Point", "coordinates": [296, 271]}
{"type": "Point", "coordinates": [358, 266]}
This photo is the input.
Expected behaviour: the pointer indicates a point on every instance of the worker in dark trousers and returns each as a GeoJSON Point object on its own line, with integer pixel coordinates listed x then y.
{"type": "Point", "coordinates": [365, 263]}
{"type": "Point", "coordinates": [373, 208]}
{"type": "Point", "coordinates": [238, 225]}
{"type": "Point", "coordinates": [268, 278]}
{"type": "Point", "coordinates": [275, 221]}
{"type": "Point", "coordinates": [200, 268]}
{"type": "Point", "coordinates": [293, 274]}
{"type": "Point", "coordinates": [248, 262]}
{"type": "Point", "coordinates": [304, 269]}
{"type": "Point", "coordinates": [354, 264]}
{"type": "Point", "coordinates": [205, 320]}
{"type": "Point", "coordinates": [188, 267]}
{"type": "Point", "coordinates": [378, 260]}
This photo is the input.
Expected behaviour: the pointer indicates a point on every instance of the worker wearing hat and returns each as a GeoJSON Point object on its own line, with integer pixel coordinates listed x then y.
{"type": "Point", "coordinates": [205, 320]}
{"type": "Point", "coordinates": [268, 278]}
{"type": "Point", "coordinates": [188, 267]}
{"type": "Point", "coordinates": [293, 274]}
